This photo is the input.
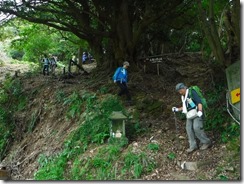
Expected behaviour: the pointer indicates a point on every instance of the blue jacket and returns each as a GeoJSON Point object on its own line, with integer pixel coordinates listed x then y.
{"type": "Point", "coordinates": [120, 75]}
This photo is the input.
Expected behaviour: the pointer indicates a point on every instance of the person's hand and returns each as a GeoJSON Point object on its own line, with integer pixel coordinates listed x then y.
{"type": "Point", "coordinates": [199, 114]}
{"type": "Point", "coordinates": [175, 109]}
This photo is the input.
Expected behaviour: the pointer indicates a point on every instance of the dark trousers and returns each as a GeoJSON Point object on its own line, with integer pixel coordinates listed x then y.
{"type": "Point", "coordinates": [45, 69]}
{"type": "Point", "coordinates": [124, 90]}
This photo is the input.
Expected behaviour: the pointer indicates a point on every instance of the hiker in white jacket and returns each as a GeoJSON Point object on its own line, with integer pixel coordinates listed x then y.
{"type": "Point", "coordinates": [193, 108]}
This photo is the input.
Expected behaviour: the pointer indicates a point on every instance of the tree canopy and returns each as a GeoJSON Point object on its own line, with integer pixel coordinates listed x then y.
{"type": "Point", "coordinates": [129, 29]}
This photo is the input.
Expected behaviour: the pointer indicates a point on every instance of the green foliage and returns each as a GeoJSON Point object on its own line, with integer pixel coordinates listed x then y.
{"type": "Point", "coordinates": [122, 142]}
{"type": "Point", "coordinates": [137, 164]}
{"type": "Point", "coordinates": [29, 41]}
{"type": "Point", "coordinates": [75, 103]}
{"type": "Point", "coordinates": [103, 90]}
{"type": "Point", "coordinates": [33, 121]}
{"type": "Point", "coordinates": [12, 100]}
{"type": "Point", "coordinates": [52, 168]}
{"type": "Point", "coordinates": [96, 126]}
{"type": "Point", "coordinates": [218, 119]}
{"type": "Point", "coordinates": [171, 156]}
{"type": "Point", "coordinates": [98, 167]}
{"type": "Point", "coordinates": [60, 96]}
{"type": "Point", "coordinates": [16, 54]}
{"type": "Point", "coordinates": [153, 147]}
{"type": "Point", "coordinates": [1, 62]}
{"type": "Point", "coordinates": [93, 129]}
{"type": "Point", "coordinates": [223, 177]}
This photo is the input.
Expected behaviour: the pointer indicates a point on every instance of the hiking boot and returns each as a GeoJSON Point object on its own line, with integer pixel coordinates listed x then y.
{"type": "Point", "coordinates": [189, 150]}
{"type": "Point", "coordinates": [205, 146]}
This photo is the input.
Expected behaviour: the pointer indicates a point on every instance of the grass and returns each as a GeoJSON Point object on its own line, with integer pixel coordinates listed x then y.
{"type": "Point", "coordinates": [12, 100]}
{"type": "Point", "coordinates": [108, 161]}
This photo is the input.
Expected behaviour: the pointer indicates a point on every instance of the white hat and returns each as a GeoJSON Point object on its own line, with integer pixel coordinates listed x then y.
{"type": "Point", "coordinates": [126, 63]}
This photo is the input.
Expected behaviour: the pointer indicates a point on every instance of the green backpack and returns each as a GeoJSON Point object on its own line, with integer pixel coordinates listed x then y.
{"type": "Point", "coordinates": [199, 92]}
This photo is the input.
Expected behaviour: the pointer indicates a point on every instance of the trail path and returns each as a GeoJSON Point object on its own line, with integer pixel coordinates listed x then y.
{"type": "Point", "coordinates": [8, 66]}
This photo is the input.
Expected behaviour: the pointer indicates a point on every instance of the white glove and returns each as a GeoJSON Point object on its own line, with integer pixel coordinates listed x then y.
{"type": "Point", "coordinates": [175, 109]}
{"type": "Point", "coordinates": [199, 114]}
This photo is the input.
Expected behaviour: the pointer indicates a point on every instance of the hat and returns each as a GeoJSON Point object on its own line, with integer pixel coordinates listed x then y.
{"type": "Point", "coordinates": [179, 86]}
{"type": "Point", "coordinates": [126, 63]}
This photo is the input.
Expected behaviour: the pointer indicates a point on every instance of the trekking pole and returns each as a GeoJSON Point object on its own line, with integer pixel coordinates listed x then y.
{"type": "Point", "coordinates": [177, 132]}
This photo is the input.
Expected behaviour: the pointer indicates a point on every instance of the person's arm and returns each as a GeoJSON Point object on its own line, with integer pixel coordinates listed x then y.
{"type": "Point", "coordinates": [199, 107]}
{"type": "Point", "coordinates": [197, 100]}
{"type": "Point", "coordinates": [116, 74]}
{"type": "Point", "coordinates": [180, 108]}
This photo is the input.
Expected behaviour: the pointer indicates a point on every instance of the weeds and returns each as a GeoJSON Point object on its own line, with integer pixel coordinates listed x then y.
{"type": "Point", "coordinates": [218, 119]}
{"type": "Point", "coordinates": [138, 163]}
{"type": "Point", "coordinates": [33, 121]}
{"type": "Point", "coordinates": [60, 96]}
{"type": "Point", "coordinates": [12, 100]}
{"type": "Point", "coordinates": [75, 103]}
{"type": "Point", "coordinates": [153, 147]}
{"type": "Point", "coordinates": [107, 163]}
{"type": "Point", "coordinates": [171, 156]}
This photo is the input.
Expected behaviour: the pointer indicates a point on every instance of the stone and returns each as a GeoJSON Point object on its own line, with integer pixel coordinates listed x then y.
{"type": "Point", "coordinates": [181, 137]}
{"type": "Point", "coordinates": [192, 166]}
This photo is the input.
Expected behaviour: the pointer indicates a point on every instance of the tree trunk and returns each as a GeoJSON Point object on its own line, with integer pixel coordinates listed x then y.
{"type": "Point", "coordinates": [235, 18]}
{"type": "Point", "coordinates": [79, 59]}
{"type": "Point", "coordinates": [212, 33]}
{"type": "Point", "coordinates": [124, 49]}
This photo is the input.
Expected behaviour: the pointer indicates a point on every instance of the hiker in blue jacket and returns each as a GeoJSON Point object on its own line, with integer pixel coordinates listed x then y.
{"type": "Point", "coordinates": [193, 108]}
{"type": "Point", "coordinates": [121, 78]}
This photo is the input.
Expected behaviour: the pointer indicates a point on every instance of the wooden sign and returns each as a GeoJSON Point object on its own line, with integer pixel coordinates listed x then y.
{"type": "Point", "coordinates": [155, 59]}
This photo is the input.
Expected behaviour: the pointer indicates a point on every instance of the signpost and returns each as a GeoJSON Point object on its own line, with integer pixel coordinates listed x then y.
{"type": "Point", "coordinates": [153, 59]}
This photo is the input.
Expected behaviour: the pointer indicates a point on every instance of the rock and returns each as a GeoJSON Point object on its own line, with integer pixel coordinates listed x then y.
{"type": "Point", "coordinates": [181, 137]}
{"type": "Point", "coordinates": [154, 141]}
{"type": "Point", "coordinates": [230, 169]}
{"type": "Point", "coordinates": [192, 166]}
{"type": "Point", "coordinates": [135, 144]}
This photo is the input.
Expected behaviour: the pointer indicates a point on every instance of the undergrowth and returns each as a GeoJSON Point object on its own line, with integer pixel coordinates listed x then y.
{"type": "Point", "coordinates": [12, 99]}
{"type": "Point", "coordinates": [218, 119]}
{"type": "Point", "coordinates": [109, 162]}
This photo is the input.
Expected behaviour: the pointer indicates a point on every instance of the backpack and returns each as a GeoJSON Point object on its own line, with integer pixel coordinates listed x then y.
{"type": "Point", "coordinates": [199, 92]}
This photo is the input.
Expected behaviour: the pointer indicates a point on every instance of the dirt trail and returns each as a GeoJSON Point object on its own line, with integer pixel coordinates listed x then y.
{"type": "Point", "coordinates": [7, 66]}
{"type": "Point", "coordinates": [52, 128]}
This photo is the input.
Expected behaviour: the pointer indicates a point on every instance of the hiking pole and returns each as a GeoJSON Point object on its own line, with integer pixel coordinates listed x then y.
{"type": "Point", "coordinates": [177, 132]}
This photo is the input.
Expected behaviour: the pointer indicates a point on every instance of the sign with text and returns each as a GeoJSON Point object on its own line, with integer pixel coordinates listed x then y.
{"type": "Point", "coordinates": [235, 95]}
{"type": "Point", "coordinates": [155, 59]}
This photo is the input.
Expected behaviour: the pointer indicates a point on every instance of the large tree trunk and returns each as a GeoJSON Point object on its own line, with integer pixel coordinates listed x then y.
{"type": "Point", "coordinates": [235, 18]}
{"type": "Point", "coordinates": [124, 49]}
{"type": "Point", "coordinates": [212, 33]}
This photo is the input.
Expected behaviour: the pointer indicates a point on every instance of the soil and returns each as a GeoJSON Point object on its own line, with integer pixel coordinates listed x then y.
{"type": "Point", "coordinates": [146, 87]}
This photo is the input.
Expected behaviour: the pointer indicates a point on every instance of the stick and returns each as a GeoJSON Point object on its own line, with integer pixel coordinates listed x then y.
{"type": "Point", "coordinates": [177, 132]}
